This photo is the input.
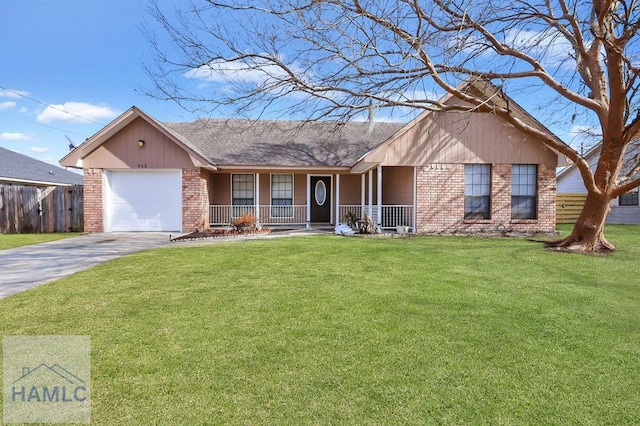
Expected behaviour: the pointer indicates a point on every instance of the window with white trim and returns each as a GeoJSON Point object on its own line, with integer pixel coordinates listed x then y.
{"type": "Point", "coordinates": [282, 195]}
{"type": "Point", "coordinates": [242, 194]}
{"type": "Point", "coordinates": [477, 191]}
{"type": "Point", "coordinates": [524, 191]}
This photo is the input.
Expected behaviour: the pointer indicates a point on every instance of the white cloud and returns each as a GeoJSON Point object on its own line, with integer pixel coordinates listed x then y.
{"type": "Point", "coordinates": [549, 45]}
{"type": "Point", "coordinates": [585, 131]}
{"type": "Point", "coordinates": [583, 137]}
{"type": "Point", "coordinates": [76, 112]}
{"type": "Point", "coordinates": [7, 105]}
{"type": "Point", "coordinates": [14, 136]}
{"type": "Point", "coordinates": [23, 109]}
{"type": "Point", "coordinates": [40, 149]}
{"type": "Point", "coordinates": [11, 93]}
{"type": "Point", "coordinates": [239, 72]}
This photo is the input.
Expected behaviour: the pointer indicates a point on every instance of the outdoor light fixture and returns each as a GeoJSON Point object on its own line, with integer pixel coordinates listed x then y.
{"type": "Point", "coordinates": [140, 143]}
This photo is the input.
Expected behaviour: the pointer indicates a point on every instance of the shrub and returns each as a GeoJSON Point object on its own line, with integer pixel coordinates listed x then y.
{"type": "Point", "coordinates": [246, 220]}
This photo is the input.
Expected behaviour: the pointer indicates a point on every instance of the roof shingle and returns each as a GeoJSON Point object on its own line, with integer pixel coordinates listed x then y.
{"type": "Point", "coordinates": [237, 142]}
{"type": "Point", "coordinates": [15, 166]}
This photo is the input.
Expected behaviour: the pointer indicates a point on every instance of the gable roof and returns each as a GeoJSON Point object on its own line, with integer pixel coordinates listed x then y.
{"type": "Point", "coordinates": [237, 142]}
{"type": "Point", "coordinates": [243, 143]}
{"type": "Point", "coordinates": [240, 142]}
{"type": "Point", "coordinates": [21, 169]}
{"type": "Point", "coordinates": [74, 158]}
{"type": "Point", "coordinates": [485, 89]}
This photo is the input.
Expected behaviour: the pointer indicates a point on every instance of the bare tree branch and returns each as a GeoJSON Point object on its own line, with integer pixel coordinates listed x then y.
{"type": "Point", "coordinates": [336, 58]}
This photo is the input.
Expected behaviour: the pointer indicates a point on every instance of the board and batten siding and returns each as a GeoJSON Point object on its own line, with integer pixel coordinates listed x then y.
{"type": "Point", "coordinates": [350, 187]}
{"type": "Point", "coordinates": [397, 185]}
{"type": "Point", "coordinates": [459, 138]}
{"type": "Point", "coordinates": [121, 151]}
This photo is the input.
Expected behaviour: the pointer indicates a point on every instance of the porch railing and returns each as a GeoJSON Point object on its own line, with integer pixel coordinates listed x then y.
{"type": "Point", "coordinates": [269, 214]}
{"type": "Point", "coordinates": [283, 215]}
{"type": "Point", "coordinates": [397, 215]}
{"type": "Point", "coordinates": [392, 215]}
{"type": "Point", "coordinates": [356, 210]}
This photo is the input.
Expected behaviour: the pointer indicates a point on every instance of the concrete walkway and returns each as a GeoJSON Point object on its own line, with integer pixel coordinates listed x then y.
{"type": "Point", "coordinates": [26, 267]}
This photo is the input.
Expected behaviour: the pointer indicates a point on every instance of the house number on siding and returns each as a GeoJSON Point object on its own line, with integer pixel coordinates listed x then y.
{"type": "Point", "coordinates": [142, 166]}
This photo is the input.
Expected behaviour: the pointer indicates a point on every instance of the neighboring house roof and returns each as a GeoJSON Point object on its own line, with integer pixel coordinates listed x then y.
{"type": "Point", "coordinates": [21, 169]}
{"type": "Point", "coordinates": [236, 142]}
{"type": "Point", "coordinates": [590, 156]}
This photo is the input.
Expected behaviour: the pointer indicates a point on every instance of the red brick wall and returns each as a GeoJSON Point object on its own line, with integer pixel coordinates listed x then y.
{"type": "Point", "coordinates": [440, 201]}
{"type": "Point", "coordinates": [195, 199]}
{"type": "Point", "coordinates": [93, 204]}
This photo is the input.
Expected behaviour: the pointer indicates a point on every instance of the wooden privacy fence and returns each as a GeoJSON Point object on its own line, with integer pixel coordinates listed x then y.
{"type": "Point", "coordinates": [28, 209]}
{"type": "Point", "coordinates": [569, 206]}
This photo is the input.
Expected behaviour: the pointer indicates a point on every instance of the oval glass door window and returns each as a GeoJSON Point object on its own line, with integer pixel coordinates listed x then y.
{"type": "Point", "coordinates": [321, 193]}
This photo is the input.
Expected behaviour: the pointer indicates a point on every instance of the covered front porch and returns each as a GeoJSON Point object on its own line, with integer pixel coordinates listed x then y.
{"type": "Point", "coordinates": [306, 199]}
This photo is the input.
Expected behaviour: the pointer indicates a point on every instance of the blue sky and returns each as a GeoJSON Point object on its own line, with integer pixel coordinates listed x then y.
{"type": "Point", "coordinates": [82, 56]}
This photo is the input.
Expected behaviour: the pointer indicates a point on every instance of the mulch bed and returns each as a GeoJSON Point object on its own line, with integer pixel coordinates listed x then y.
{"type": "Point", "coordinates": [216, 233]}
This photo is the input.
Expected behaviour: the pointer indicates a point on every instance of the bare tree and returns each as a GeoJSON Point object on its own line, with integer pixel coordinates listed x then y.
{"type": "Point", "coordinates": [338, 58]}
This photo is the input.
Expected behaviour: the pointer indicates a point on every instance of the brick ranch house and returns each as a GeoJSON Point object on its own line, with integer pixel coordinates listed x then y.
{"type": "Point", "coordinates": [442, 172]}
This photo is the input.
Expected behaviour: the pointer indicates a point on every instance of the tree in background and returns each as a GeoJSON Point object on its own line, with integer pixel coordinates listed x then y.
{"type": "Point", "coordinates": [340, 59]}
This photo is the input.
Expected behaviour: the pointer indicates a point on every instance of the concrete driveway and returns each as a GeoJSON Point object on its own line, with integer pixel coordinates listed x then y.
{"type": "Point", "coordinates": [26, 267]}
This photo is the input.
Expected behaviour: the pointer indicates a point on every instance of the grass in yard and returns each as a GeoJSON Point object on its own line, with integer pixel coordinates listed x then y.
{"type": "Point", "coordinates": [8, 241]}
{"type": "Point", "coordinates": [317, 330]}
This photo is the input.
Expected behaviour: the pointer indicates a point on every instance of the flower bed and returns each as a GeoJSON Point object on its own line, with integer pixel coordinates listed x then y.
{"type": "Point", "coordinates": [216, 233]}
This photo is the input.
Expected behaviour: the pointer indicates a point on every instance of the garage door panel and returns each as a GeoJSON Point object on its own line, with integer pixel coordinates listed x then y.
{"type": "Point", "coordinates": [145, 201]}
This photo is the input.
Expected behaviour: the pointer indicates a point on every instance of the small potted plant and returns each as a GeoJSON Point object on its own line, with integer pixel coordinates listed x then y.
{"type": "Point", "coordinates": [245, 222]}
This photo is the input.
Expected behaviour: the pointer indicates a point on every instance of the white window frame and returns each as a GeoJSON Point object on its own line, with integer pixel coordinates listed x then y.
{"type": "Point", "coordinates": [489, 196]}
{"type": "Point", "coordinates": [238, 210]}
{"type": "Point", "coordinates": [293, 193]}
{"type": "Point", "coordinates": [534, 196]}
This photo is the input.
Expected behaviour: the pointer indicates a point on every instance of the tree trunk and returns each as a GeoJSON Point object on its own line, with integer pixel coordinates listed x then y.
{"type": "Point", "coordinates": [588, 232]}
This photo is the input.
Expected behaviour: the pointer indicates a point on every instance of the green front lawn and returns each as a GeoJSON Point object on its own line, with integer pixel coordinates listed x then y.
{"type": "Point", "coordinates": [8, 241]}
{"type": "Point", "coordinates": [332, 330]}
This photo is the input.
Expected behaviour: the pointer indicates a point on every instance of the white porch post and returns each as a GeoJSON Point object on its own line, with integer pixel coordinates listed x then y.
{"type": "Point", "coordinates": [338, 218]}
{"type": "Point", "coordinates": [362, 195]}
{"type": "Point", "coordinates": [308, 201]}
{"type": "Point", "coordinates": [370, 192]}
{"type": "Point", "coordinates": [257, 197]}
{"type": "Point", "coordinates": [415, 199]}
{"type": "Point", "coordinates": [379, 221]}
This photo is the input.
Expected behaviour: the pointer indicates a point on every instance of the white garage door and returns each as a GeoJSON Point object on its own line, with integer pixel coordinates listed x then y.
{"type": "Point", "coordinates": [143, 201]}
